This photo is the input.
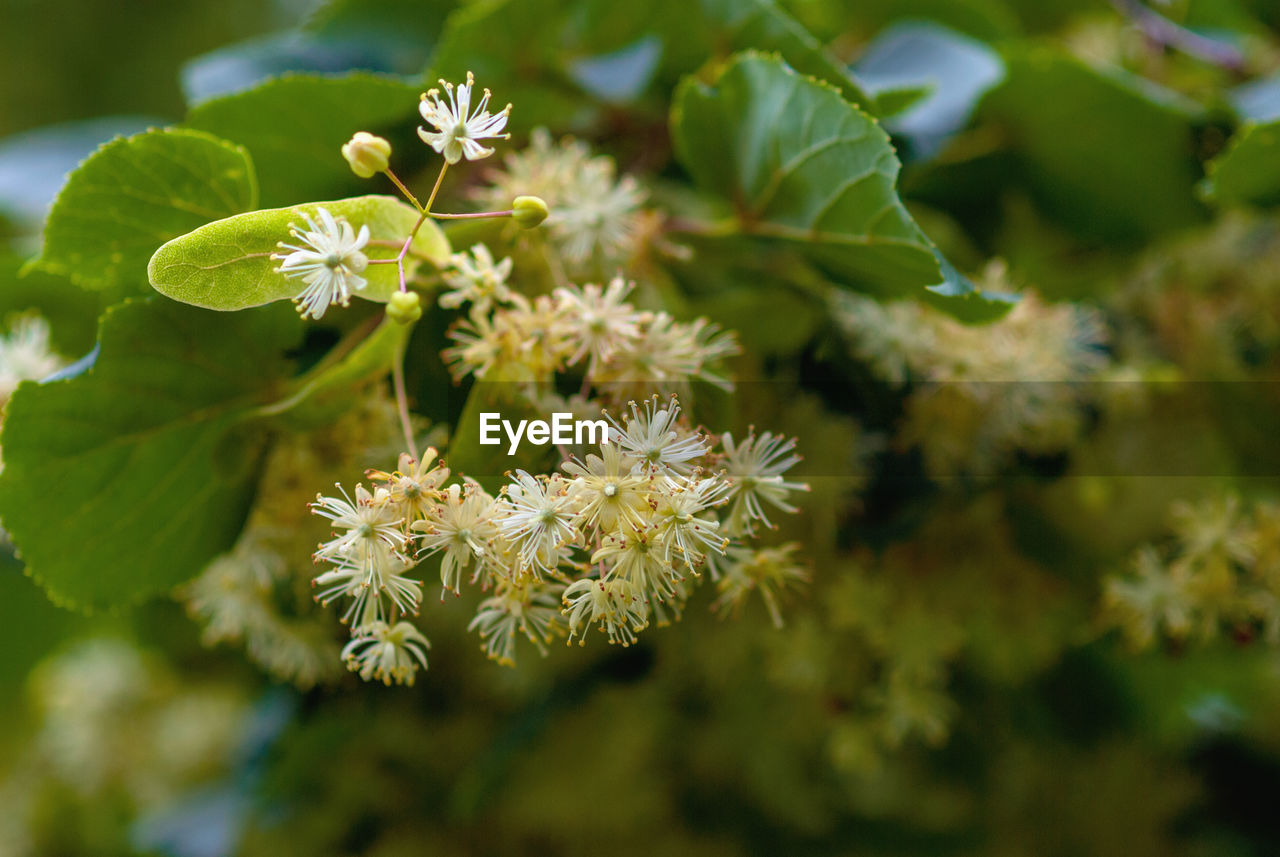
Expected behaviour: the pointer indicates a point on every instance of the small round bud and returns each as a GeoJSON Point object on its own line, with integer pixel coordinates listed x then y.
{"type": "Point", "coordinates": [367, 154]}
{"type": "Point", "coordinates": [404, 307]}
{"type": "Point", "coordinates": [529, 211]}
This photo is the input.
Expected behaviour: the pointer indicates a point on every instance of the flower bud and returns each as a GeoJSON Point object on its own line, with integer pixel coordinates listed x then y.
{"type": "Point", "coordinates": [529, 211]}
{"type": "Point", "coordinates": [404, 307]}
{"type": "Point", "coordinates": [367, 154]}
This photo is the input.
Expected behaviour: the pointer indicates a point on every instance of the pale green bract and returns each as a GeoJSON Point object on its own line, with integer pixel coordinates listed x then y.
{"type": "Point", "coordinates": [227, 265]}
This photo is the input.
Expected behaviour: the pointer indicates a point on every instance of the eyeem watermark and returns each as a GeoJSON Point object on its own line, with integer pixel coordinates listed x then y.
{"type": "Point", "coordinates": [562, 430]}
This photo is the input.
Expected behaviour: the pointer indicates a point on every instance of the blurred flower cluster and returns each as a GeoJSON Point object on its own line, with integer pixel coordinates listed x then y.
{"type": "Point", "coordinates": [25, 354]}
{"type": "Point", "coordinates": [596, 217]}
{"type": "Point", "coordinates": [977, 394]}
{"type": "Point", "coordinates": [1219, 572]}
{"type": "Point", "coordinates": [118, 730]}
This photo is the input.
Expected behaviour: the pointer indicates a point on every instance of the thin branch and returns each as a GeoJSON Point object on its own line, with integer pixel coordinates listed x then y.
{"type": "Point", "coordinates": [1161, 30]}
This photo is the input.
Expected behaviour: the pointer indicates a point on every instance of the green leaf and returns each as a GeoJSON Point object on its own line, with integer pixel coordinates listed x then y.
{"type": "Point", "coordinates": [958, 295]}
{"type": "Point", "coordinates": [1248, 172]}
{"type": "Point", "coordinates": [72, 312]}
{"type": "Point", "coordinates": [227, 265]}
{"type": "Point", "coordinates": [1109, 154]}
{"type": "Point", "coordinates": [740, 25]}
{"type": "Point", "coordinates": [527, 51]}
{"type": "Point", "coordinates": [124, 481]}
{"type": "Point", "coordinates": [295, 125]}
{"type": "Point", "coordinates": [34, 164]}
{"type": "Point", "coordinates": [135, 193]}
{"type": "Point", "coordinates": [401, 33]}
{"type": "Point", "coordinates": [808, 171]}
{"type": "Point", "coordinates": [557, 60]}
{"type": "Point", "coordinates": [899, 98]}
{"type": "Point", "coordinates": [804, 168]}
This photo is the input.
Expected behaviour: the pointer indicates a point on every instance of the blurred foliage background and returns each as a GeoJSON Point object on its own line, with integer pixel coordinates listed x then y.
{"type": "Point", "coordinates": [1045, 549]}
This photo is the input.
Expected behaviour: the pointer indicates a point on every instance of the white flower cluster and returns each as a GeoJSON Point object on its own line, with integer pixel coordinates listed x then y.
{"type": "Point", "coordinates": [508, 337]}
{"type": "Point", "coordinates": [329, 256]}
{"type": "Point", "coordinates": [256, 595]}
{"type": "Point", "coordinates": [618, 539]}
{"type": "Point", "coordinates": [596, 217]}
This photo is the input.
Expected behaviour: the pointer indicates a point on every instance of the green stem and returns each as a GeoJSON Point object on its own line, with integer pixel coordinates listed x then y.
{"type": "Point", "coordinates": [440, 178]}
{"type": "Point", "coordinates": [404, 190]}
{"type": "Point", "coordinates": [397, 366]}
{"type": "Point", "coordinates": [402, 401]}
{"type": "Point", "coordinates": [479, 215]}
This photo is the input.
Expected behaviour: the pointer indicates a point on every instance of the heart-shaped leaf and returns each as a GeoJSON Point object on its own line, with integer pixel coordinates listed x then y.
{"type": "Point", "coordinates": [135, 193]}
{"type": "Point", "coordinates": [805, 169]}
{"type": "Point", "coordinates": [803, 166]}
{"type": "Point", "coordinates": [123, 481]}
